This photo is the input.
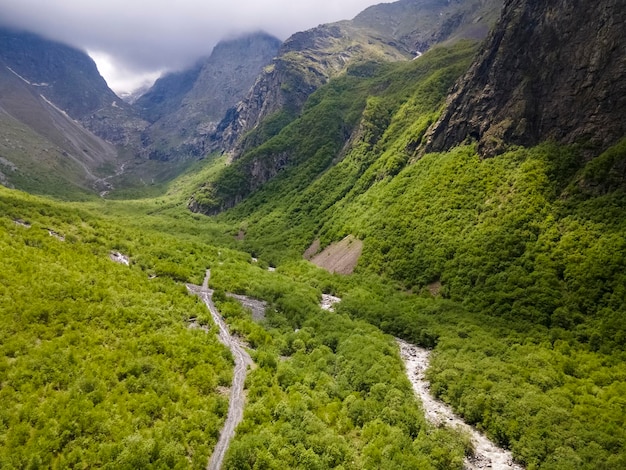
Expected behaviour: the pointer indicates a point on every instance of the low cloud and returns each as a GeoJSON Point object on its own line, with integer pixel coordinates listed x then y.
{"type": "Point", "coordinates": [140, 38]}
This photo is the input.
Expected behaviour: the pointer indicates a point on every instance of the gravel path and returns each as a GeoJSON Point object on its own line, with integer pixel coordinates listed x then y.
{"type": "Point", "coordinates": [242, 361]}
{"type": "Point", "coordinates": [487, 455]}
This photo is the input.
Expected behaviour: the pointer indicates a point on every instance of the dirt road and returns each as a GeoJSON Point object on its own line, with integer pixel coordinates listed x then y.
{"type": "Point", "coordinates": [487, 455]}
{"type": "Point", "coordinates": [242, 361]}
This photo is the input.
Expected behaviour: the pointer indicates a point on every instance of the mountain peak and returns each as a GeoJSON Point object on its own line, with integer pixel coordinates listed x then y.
{"type": "Point", "coordinates": [187, 105]}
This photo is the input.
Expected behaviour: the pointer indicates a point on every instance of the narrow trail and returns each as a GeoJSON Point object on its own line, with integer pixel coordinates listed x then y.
{"type": "Point", "coordinates": [242, 361]}
{"type": "Point", "coordinates": [486, 455]}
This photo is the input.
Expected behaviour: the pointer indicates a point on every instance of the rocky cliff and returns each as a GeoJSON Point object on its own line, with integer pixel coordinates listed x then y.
{"type": "Point", "coordinates": [184, 107]}
{"type": "Point", "coordinates": [550, 70]}
{"type": "Point", "coordinates": [385, 32]}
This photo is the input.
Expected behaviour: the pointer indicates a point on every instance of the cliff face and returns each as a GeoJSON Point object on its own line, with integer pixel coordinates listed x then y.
{"type": "Point", "coordinates": [186, 106]}
{"type": "Point", "coordinates": [307, 60]}
{"type": "Point", "coordinates": [550, 70]}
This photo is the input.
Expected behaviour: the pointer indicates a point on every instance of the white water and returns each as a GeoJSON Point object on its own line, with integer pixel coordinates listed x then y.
{"type": "Point", "coordinates": [486, 454]}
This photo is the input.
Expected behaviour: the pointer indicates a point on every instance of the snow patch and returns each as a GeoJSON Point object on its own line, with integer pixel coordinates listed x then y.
{"type": "Point", "coordinates": [18, 75]}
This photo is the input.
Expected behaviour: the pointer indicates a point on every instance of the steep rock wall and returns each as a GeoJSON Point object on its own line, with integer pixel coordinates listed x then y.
{"type": "Point", "coordinates": [550, 70]}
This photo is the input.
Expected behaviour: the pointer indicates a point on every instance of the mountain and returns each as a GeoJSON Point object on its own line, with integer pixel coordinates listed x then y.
{"type": "Point", "coordinates": [419, 24]}
{"type": "Point", "coordinates": [54, 95]}
{"type": "Point", "coordinates": [550, 70]}
{"type": "Point", "coordinates": [385, 32]}
{"type": "Point", "coordinates": [511, 269]}
{"type": "Point", "coordinates": [44, 145]}
{"type": "Point", "coordinates": [185, 106]}
{"type": "Point", "coordinates": [69, 78]}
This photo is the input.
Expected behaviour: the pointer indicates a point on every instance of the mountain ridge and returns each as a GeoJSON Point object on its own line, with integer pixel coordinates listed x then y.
{"type": "Point", "coordinates": [62, 73]}
{"type": "Point", "coordinates": [185, 106]}
{"type": "Point", "coordinates": [310, 58]}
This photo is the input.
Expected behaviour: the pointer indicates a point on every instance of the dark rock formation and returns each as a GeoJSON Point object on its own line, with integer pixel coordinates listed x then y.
{"type": "Point", "coordinates": [550, 70]}
{"type": "Point", "coordinates": [166, 94]}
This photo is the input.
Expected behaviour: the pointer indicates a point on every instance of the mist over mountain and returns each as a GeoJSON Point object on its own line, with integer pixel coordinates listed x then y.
{"type": "Point", "coordinates": [184, 107]}
{"type": "Point", "coordinates": [54, 92]}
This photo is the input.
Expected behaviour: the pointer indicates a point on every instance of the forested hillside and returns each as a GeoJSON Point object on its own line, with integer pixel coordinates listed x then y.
{"type": "Point", "coordinates": [525, 250]}
{"type": "Point", "coordinates": [103, 364]}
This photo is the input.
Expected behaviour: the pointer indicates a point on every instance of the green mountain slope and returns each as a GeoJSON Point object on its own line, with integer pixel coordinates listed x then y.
{"type": "Point", "coordinates": [351, 111]}
{"type": "Point", "coordinates": [511, 269]}
{"type": "Point", "coordinates": [98, 366]}
{"type": "Point", "coordinates": [525, 251]}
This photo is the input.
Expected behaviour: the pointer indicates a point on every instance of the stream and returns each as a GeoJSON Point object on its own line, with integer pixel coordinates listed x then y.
{"type": "Point", "coordinates": [487, 455]}
{"type": "Point", "coordinates": [242, 361]}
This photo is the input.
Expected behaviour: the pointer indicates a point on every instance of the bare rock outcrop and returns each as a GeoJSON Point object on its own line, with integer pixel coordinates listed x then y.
{"type": "Point", "coordinates": [550, 70]}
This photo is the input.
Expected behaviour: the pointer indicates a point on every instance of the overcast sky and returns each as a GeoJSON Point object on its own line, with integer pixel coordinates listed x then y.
{"type": "Point", "coordinates": [136, 39]}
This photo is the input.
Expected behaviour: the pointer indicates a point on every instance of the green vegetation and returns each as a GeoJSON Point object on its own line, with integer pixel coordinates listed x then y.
{"type": "Point", "coordinates": [97, 364]}
{"type": "Point", "coordinates": [328, 391]}
{"type": "Point", "coordinates": [524, 254]}
{"type": "Point", "coordinates": [358, 105]}
{"type": "Point", "coordinates": [99, 367]}
{"type": "Point", "coordinates": [512, 269]}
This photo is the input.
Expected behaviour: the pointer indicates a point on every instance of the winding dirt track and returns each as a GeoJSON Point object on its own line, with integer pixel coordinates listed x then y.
{"type": "Point", "coordinates": [486, 454]}
{"type": "Point", "coordinates": [242, 361]}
